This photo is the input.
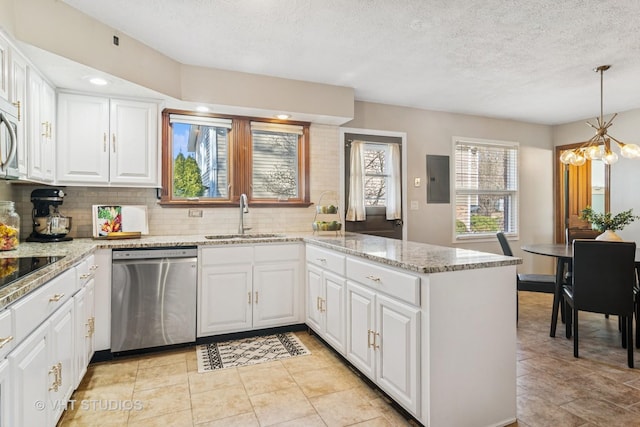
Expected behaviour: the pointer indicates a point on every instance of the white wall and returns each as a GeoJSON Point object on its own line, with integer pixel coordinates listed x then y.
{"type": "Point", "coordinates": [431, 132]}
{"type": "Point", "coordinates": [625, 174]}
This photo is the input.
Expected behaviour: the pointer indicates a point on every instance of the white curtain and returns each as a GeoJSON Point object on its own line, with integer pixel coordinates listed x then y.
{"type": "Point", "coordinates": [394, 188]}
{"type": "Point", "coordinates": [355, 204]}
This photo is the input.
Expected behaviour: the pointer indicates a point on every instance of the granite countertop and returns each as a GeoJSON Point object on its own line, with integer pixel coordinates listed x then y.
{"type": "Point", "coordinates": [412, 256]}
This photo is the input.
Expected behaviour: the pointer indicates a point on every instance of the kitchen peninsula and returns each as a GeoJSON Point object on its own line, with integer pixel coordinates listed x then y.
{"type": "Point", "coordinates": [433, 327]}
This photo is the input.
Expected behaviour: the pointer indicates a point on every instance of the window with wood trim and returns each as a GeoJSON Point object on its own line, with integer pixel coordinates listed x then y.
{"type": "Point", "coordinates": [210, 159]}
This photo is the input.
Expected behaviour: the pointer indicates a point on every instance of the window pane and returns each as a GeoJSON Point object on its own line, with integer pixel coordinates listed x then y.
{"type": "Point", "coordinates": [486, 188]}
{"type": "Point", "coordinates": [200, 155]}
{"type": "Point", "coordinates": [375, 180]}
{"type": "Point", "coordinates": [275, 165]}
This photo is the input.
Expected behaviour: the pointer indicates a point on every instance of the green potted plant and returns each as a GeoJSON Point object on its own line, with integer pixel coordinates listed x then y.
{"type": "Point", "coordinates": [608, 223]}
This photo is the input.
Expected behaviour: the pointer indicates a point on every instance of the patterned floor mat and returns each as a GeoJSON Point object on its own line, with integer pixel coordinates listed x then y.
{"type": "Point", "coordinates": [249, 351]}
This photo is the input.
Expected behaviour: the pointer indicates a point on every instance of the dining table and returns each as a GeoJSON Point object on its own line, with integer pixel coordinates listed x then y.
{"type": "Point", "coordinates": [564, 256]}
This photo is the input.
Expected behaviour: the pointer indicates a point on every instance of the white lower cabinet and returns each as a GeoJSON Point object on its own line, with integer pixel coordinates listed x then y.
{"type": "Point", "coordinates": [43, 371]}
{"type": "Point", "coordinates": [6, 395]}
{"type": "Point", "coordinates": [325, 306]}
{"type": "Point", "coordinates": [248, 287]}
{"type": "Point", "coordinates": [382, 342]}
{"type": "Point", "coordinates": [52, 350]}
{"type": "Point", "coordinates": [372, 316]}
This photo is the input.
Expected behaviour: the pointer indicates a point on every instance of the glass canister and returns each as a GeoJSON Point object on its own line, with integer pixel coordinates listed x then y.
{"type": "Point", "coordinates": [9, 226]}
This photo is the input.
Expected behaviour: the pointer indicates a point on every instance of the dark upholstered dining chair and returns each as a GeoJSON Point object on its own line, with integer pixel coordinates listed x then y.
{"type": "Point", "coordinates": [528, 282]}
{"type": "Point", "coordinates": [572, 234]}
{"type": "Point", "coordinates": [604, 279]}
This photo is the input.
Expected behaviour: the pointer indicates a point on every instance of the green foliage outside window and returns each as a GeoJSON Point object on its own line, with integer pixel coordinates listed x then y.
{"type": "Point", "coordinates": [187, 182]}
{"type": "Point", "coordinates": [481, 223]}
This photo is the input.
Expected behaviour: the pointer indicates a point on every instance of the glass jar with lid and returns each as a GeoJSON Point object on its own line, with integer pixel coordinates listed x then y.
{"type": "Point", "coordinates": [9, 226]}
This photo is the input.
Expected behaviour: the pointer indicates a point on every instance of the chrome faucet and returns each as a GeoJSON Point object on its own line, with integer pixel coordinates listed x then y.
{"type": "Point", "coordinates": [244, 208]}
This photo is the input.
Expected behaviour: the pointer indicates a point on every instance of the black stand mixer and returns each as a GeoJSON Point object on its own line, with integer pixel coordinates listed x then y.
{"type": "Point", "coordinates": [48, 224]}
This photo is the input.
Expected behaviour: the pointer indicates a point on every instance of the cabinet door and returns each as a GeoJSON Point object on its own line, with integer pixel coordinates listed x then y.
{"type": "Point", "coordinates": [225, 299]}
{"type": "Point", "coordinates": [397, 364]}
{"type": "Point", "coordinates": [134, 142]}
{"type": "Point", "coordinates": [32, 376]}
{"type": "Point", "coordinates": [4, 68]}
{"type": "Point", "coordinates": [19, 98]}
{"type": "Point", "coordinates": [102, 290]}
{"type": "Point", "coordinates": [83, 139]}
{"type": "Point", "coordinates": [81, 362]}
{"type": "Point", "coordinates": [6, 395]}
{"type": "Point", "coordinates": [48, 115]}
{"type": "Point", "coordinates": [315, 294]}
{"type": "Point", "coordinates": [275, 294]}
{"type": "Point", "coordinates": [360, 328]}
{"type": "Point", "coordinates": [36, 126]}
{"type": "Point", "coordinates": [334, 310]}
{"type": "Point", "coordinates": [62, 344]}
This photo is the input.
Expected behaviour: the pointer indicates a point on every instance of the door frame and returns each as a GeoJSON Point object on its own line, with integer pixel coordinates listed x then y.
{"type": "Point", "coordinates": [561, 200]}
{"type": "Point", "coordinates": [403, 137]}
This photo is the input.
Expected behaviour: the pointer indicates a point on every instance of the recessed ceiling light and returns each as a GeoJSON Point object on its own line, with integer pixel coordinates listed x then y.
{"type": "Point", "coordinates": [98, 81]}
{"type": "Point", "coordinates": [283, 116]}
{"type": "Point", "coordinates": [202, 109]}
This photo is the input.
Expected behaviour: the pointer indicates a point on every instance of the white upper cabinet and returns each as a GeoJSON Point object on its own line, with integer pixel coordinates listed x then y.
{"type": "Point", "coordinates": [40, 132]}
{"type": "Point", "coordinates": [107, 141]}
{"type": "Point", "coordinates": [19, 99]}
{"type": "Point", "coordinates": [4, 68]}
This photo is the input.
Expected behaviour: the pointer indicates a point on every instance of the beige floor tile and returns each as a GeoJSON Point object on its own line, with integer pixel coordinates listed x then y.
{"type": "Point", "coordinates": [536, 411]}
{"type": "Point", "coordinates": [281, 405]}
{"type": "Point", "coordinates": [174, 419]}
{"type": "Point", "coordinates": [161, 376]}
{"type": "Point", "coordinates": [153, 360]}
{"type": "Point", "coordinates": [602, 413]}
{"type": "Point", "coordinates": [161, 401]}
{"type": "Point", "coordinates": [100, 374]}
{"type": "Point", "coordinates": [310, 421]}
{"type": "Point", "coordinates": [317, 382]}
{"type": "Point", "coordinates": [225, 402]}
{"type": "Point", "coordinates": [248, 419]}
{"type": "Point", "coordinates": [199, 382]}
{"type": "Point", "coordinates": [110, 402]}
{"type": "Point", "coordinates": [315, 360]}
{"type": "Point", "coordinates": [265, 378]}
{"type": "Point", "coordinates": [344, 408]}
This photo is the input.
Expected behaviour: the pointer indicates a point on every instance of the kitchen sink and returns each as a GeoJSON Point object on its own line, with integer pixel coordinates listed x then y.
{"type": "Point", "coordinates": [243, 236]}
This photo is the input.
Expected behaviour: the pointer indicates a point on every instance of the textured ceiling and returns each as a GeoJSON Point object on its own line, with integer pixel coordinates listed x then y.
{"type": "Point", "coordinates": [529, 60]}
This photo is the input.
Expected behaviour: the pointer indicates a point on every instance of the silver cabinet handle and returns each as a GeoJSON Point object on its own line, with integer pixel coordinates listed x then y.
{"type": "Point", "coordinates": [256, 297]}
{"type": "Point", "coordinates": [322, 260]}
{"type": "Point", "coordinates": [113, 142]}
{"type": "Point", "coordinates": [249, 298]}
{"type": "Point", "coordinates": [374, 278]}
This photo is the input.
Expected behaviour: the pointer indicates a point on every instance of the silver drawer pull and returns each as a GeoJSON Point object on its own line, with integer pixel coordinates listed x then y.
{"type": "Point", "coordinates": [322, 260]}
{"type": "Point", "coordinates": [374, 278]}
{"type": "Point", "coordinates": [4, 341]}
{"type": "Point", "coordinates": [56, 298]}
{"type": "Point", "coordinates": [85, 276]}
{"type": "Point", "coordinates": [93, 267]}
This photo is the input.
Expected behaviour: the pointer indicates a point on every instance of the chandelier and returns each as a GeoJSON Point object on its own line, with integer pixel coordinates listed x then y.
{"type": "Point", "coordinates": [599, 146]}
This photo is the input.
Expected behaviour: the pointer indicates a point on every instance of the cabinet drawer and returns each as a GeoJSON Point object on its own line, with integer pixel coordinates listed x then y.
{"type": "Point", "coordinates": [35, 307]}
{"type": "Point", "coordinates": [268, 253]}
{"type": "Point", "coordinates": [7, 341]}
{"type": "Point", "coordinates": [326, 259]}
{"type": "Point", "coordinates": [392, 282]}
{"type": "Point", "coordinates": [86, 270]}
{"type": "Point", "coordinates": [226, 255]}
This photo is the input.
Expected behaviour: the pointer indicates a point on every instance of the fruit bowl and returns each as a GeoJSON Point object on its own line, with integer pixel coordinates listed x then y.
{"type": "Point", "coordinates": [330, 209]}
{"type": "Point", "coordinates": [326, 226]}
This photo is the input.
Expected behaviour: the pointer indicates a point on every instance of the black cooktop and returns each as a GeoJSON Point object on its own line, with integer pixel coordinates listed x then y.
{"type": "Point", "coordinates": [12, 269]}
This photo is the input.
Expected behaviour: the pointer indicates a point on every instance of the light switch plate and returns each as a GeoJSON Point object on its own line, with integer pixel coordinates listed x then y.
{"type": "Point", "coordinates": [416, 182]}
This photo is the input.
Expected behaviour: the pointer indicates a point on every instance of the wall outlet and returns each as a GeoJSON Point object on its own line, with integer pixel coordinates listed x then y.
{"type": "Point", "coordinates": [414, 205]}
{"type": "Point", "coordinates": [195, 213]}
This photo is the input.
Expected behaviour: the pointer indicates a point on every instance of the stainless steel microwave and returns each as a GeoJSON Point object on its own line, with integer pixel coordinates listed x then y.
{"type": "Point", "coordinates": [8, 140]}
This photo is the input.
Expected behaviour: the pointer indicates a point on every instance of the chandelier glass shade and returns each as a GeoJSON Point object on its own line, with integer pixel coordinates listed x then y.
{"type": "Point", "coordinates": [598, 147]}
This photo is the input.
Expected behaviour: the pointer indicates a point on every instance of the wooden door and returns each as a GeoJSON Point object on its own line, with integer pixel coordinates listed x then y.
{"type": "Point", "coordinates": [573, 191]}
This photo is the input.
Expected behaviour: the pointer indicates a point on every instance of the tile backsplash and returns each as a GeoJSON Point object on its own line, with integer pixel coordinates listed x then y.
{"type": "Point", "coordinates": [78, 201]}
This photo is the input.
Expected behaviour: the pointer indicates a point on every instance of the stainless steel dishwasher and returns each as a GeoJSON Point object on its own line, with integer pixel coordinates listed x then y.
{"type": "Point", "coordinates": [153, 297]}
